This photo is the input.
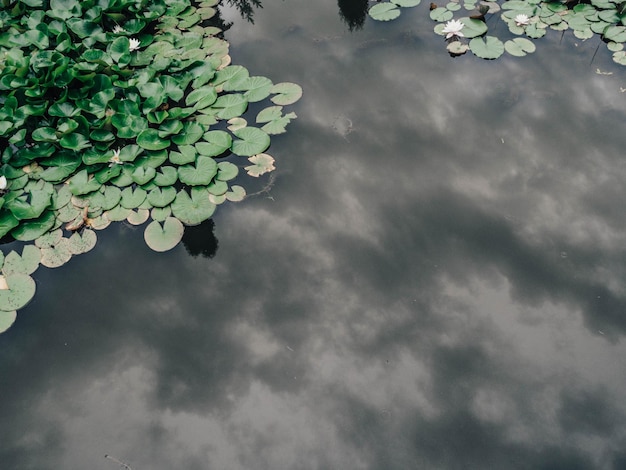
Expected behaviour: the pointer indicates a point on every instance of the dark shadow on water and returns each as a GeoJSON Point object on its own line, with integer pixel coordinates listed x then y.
{"type": "Point", "coordinates": [200, 240]}
{"type": "Point", "coordinates": [353, 12]}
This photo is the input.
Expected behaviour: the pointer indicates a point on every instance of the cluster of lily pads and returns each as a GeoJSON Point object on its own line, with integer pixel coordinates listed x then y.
{"type": "Point", "coordinates": [530, 18]}
{"type": "Point", "coordinates": [119, 110]}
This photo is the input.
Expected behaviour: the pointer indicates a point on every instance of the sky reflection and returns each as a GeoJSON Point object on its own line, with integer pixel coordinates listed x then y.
{"type": "Point", "coordinates": [440, 288]}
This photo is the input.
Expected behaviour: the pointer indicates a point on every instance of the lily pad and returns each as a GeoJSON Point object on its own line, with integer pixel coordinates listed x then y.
{"type": "Point", "coordinates": [262, 163]}
{"type": "Point", "coordinates": [20, 291]}
{"type": "Point", "coordinates": [138, 217]}
{"type": "Point", "coordinates": [286, 92]}
{"type": "Point", "coordinates": [488, 47]}
{"type": "Point", "coordinates": [199, 174]}
{"type": "Point", "coordinates": [25, 264]}
{"type": "Point", "coordinates": [519, 47]}
{"type": "Point", "coordinates": [164, 237]}
{"type": "Point", "coordinates": [237, 193]}
{"type": "Point", "coordinates": [56, 255]}
{"type": "Point", "coordinates": [82, 243]}
{"type": "Point", "coordinates": [251, 141]}
{"type": "Point", "coordinates": [384, 11]}
{"type": "Point", "coordinates": [194, 209]}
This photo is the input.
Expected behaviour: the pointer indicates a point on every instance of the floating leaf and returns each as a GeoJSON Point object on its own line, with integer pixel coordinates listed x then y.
{"type": "Point", "coordinates": [226, 171]}
{"type": "Point", "coordinates": [149, 139]}
{"type": "Point", "coordinates": [457, 48]}
{"type": "Point", "coordinates": [82, 243]}
{"type": "Point", "coordinates": [262, 163]}
{"type": "Point", "coordinates": [33, 229]}
{"type": "Point", "coordinates": [199, 174]}
{"type": "Point", "coordinates": [56, 255]}
{"type": "Point", "coordinates": [214, 143]}
{"type": "Point", "coordinates": [194, 209]}
{"type": "Point", "coordinates": [287, 93]}
{"type": "Point", "coordinates": [252, 141]}
{"type": "Point", "coordinates": [473, 28]}
{"type": "Point", "coordinates": [161, 197]}
{"type": "Point", "coordinates": [519, 47]}
{"type": "Point", "coordinates": [164, 237]}
{"type": "Point", "coordinates": [138, 217]}
{"type": "Point", "coordinates": [384, 11]}
{"type": "Point", "coordinates": [25, 264]}
{"type": "Point", "coordinates": [236, 194]}
{"type": "Point", "coordinates": [21, 289]}
{"type": "Point", "coordinates": [487, 48]}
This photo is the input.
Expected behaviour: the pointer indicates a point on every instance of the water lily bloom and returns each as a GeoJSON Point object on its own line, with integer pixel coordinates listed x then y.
{"type": "Point", "coordinates": [522, 20]}
{"type": "Point", "coordinates": [134, 44]}
{"type": "Point", "coordinates": [453, 28]}
{"type": "Point", "coordinates": [3, 182]}
{"type": "Point", "coordinates": [115, 159]}
{"type": "Point", "coordinates": [118, 29]}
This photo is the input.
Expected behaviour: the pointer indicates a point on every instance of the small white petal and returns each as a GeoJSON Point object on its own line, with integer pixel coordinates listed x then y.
{"type": "Point", "coordinates": [3, 182]}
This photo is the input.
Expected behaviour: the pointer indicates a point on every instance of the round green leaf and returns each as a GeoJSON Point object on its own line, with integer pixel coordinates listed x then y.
{"type": "Point", "coordinates": [164, 237]}
{"type": "Point", "coordinates": [214, 143]}
{"type": "Point", "coordinates": [21, 289]}
{"type": "Point", "coordinates": [82, 243]}
{"type": "Point", "coordinates": [384, 11]}
{"type": "Point", "coordinates": [161, 197]}
{"type": "Point", "coordinates": [195, 209]}
{"type": "Point", "coordinates": [519, 47]}
{"type": "Point", "coordinates": [252, 141]}
{"type": "Point", "coordinates": [149, 139]}
{"type": "Point", "coordinates": [199, 174]}
{"type": "Point", "coordinates": [288, 93]}
{"type": "Point", "coordinates": [57, 255]}
{"type": "Point", "coordinates": [487, 48]}
{"type": "Point", "coordinates": [473, 28]}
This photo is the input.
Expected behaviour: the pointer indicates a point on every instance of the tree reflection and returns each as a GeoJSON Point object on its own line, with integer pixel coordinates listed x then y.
{"type": "Point", "coordinates": [353, 12]}
{"type": "Point", "coordinates": [200, 239]}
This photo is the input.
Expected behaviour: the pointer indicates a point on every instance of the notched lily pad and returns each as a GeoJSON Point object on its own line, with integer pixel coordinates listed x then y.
{"type": "Point", "coordinates": [164, 236]}
{"type": "Point", "coordinates": [20, 289]}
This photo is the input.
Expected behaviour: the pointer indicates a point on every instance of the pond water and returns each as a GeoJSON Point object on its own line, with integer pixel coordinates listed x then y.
{"type": "Point", "coordinates": [434, 278]}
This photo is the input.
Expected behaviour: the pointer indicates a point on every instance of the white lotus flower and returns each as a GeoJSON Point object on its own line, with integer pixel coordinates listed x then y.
{"type": "Point", "coordinates": [521, 20]}
{"type": "Point", "coordinates": [115, 159]}
{"type": "Point", "coordinates": [453, 28]}
{"type": "Point", "coordinates": [134, 44]}
{"type": "Point", "coordinates": [3, 182]}
{"type": "Point", "coordinates": [118, 29]}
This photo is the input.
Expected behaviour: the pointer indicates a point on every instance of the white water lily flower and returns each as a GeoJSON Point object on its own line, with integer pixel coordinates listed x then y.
{"type": "Point", "coordinates": [522, 20]}
{"type": "Point", "coordinates": [134, 44]}
{"type": "Point", "coordinates": [115, 159]}
{"type": "Point", "coordinates": [453, 28]}
{"type": "Point", "coordinates": [118, 29]}
{"type": "Point", "coordinates": [3, 182]}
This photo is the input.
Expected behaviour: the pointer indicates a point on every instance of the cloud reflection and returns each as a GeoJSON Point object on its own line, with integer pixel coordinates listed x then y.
{"type": "Point", "coordinates": [441, 290]}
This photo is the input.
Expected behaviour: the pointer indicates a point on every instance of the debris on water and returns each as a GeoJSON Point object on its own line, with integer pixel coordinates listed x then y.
{"type": "Point", "coordinates": [342, 125]}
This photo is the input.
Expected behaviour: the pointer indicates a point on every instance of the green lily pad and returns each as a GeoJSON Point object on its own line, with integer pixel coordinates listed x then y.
{"type": "Point", "coordinates": [149, 139]}
{"type": "Point", "coordinates": [194, 209]}
{"type": "Point", "coordinates": [199, 174]}
{"type": "Point", "coordinates": [473, 28]}
{"type": "Point", "coordinates": [214, 143]}
{"type": "Point", "coordinates": [519, 47]}
{"type": "Point", "coordinates": [21, 289]}
{"type": "Point", "coordinates": [287, 93]}
{"type": "Point", "coordinates": [138, 217]}
{"type": "Point", "coordinates": [56, 255]}
{"type": "Point", "coordinates": [118, 213]}
{"type": "Point", "coordinates": [252, 141]}
{"type": "Point", "coordinates": [82, 243]}
{"type": "Point", "coordinates": [160, 213]}
{"type": "Point", "coordinates": [32, 229]}
{"type": "Point", "coordinates": [488, 47]}
{"type": "Point", "coordinates": [166, 176]}
{"type": "Point", "coordinates": [164, 237]}
{"type": "Point", "coordinates": [132, 198]}
{"type": "Point", "coordinates": [384, 11]}
{"type": "Point", "coordinates": [25, 264]}
{"type": "Point", "coordinates": [226, 171]}
{"type": "Point", "coordinates": [236, 194]}
{"type": "Point", "coordinates": [161, 197]}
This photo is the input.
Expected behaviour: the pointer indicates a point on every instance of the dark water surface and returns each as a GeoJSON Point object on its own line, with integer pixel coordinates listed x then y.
{"type": "Point", "coordinates": [434, 281]}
